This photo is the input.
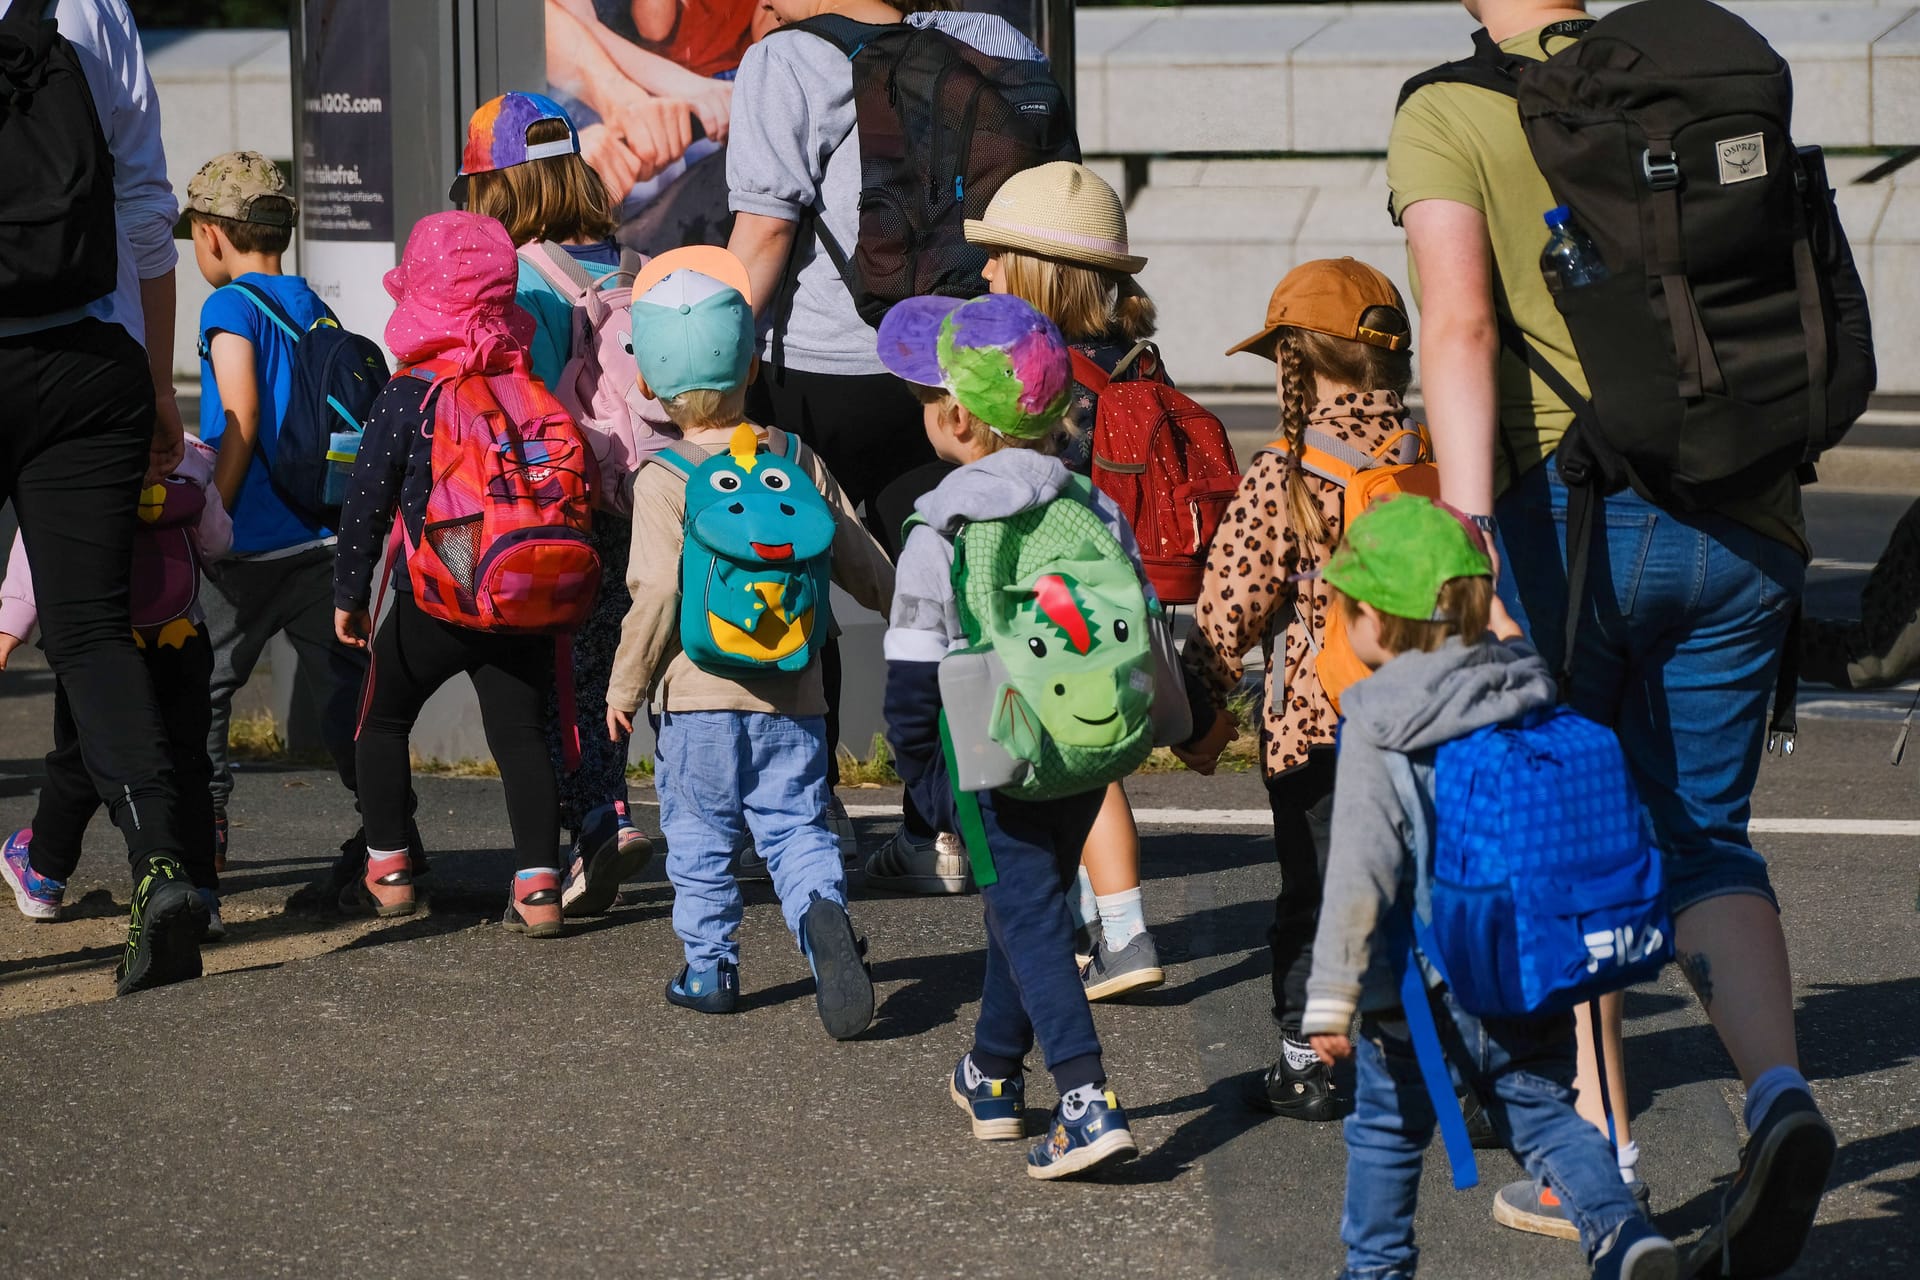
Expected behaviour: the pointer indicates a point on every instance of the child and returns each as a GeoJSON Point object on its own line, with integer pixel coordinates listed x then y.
{"type": "Point", "coordinates": [454, 292]}
{"type": "Point", "coordinates": [1416, 591]}
{"type": "Point", "coordinates": [1058, 239]}
{"type": "Point", "coordinates": [280, 575]}
{"type": "Point", "coordinates": [183, 525]}
{"type": "Point", "coordinates": [522, 166]}
{"type": "Point", "coordinates": [1338, 334]}
{"type": "Point", "coordinates": [747, 754]}
{"type": "Point", "coordinates": [993, 375]}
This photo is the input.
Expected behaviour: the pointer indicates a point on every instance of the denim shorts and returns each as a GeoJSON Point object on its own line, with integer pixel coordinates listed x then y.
{"type": "Point", "coordinates": [1678, 651]}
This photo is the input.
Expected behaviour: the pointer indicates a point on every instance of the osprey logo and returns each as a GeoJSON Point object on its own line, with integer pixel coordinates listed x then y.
{"type": "Point", "coordinates": [1742, 159]}
{"type": "Point", "coordinates": [1621, 946]}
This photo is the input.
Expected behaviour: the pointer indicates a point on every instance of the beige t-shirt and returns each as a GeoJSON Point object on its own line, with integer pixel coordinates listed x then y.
{"type": "Point", "coordinates": [1463, 143]}
{"type": "Point", "coordinates": [651, 667]}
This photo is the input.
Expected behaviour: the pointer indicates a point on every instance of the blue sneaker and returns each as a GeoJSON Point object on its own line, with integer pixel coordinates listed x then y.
{"type": "Point", "coordinates": [842, 986]}
{"type": "Point", "coordinates": [998, 1107]}
{"type": "Point", "coordinates": [1635, 1251]}
{"type": "Point", "coordinates": [37, 897]}
{"type": "Point", "coordinates": [715, 990]}
{"type": "Point", "coordinates": [1082, 1134]}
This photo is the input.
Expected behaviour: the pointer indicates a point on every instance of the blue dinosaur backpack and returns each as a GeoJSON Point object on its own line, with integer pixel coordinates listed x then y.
{"type": "Point", "coordinates": [755, 562]}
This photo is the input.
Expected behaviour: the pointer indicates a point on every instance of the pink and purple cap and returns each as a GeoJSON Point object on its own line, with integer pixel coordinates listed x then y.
{"type": "Point", "coordinates": [1002, 360]}
{"type": "Point", "coordinates": [497, 136]}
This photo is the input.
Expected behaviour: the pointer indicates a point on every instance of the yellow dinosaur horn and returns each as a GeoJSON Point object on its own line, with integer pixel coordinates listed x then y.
{"type": "Point", "coordinates": [745, 447]}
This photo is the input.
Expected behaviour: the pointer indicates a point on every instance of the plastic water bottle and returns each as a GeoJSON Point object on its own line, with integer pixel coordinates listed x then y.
{"type": "Point", "coordinates": [1569, 261]}
{"type": "Point", "coordinates": [343, 449]}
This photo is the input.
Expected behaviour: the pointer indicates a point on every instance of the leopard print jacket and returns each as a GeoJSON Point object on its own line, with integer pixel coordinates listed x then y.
{"type": "Point", "coordinates": [1249, 591]}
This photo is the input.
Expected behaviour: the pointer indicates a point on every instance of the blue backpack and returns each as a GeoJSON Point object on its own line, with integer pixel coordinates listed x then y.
{"type": "Point", "coordinates": [337, 375]}
{"type": "Point", "coordinates": [756, 558]}
{"type": "Point", "coordinates": [1546, 890]}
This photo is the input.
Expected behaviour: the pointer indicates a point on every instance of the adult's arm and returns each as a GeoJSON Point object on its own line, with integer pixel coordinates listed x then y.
{"type": "Point", "coordinates": [763, 244]}
{"type": "Point", "coordinates": [1460, 340]}
{"type": "Point", "coordinates": [169, 432]}
{"type": "Point", "coordinates": [776, 165]}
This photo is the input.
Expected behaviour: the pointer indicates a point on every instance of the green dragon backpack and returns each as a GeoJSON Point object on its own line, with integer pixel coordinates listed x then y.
{"type": "Point", "coordinates": [1059, 660]}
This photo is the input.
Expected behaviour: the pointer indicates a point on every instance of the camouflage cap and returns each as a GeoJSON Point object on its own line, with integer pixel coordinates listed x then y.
{"type": "Point", "coordinates": [244, 186]}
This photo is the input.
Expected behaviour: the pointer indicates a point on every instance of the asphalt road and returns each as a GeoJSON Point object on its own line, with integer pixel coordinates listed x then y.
{"type": "Point", "coordinates": [442, 1098]}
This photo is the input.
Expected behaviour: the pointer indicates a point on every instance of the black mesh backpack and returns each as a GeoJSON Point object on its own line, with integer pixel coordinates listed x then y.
{"type": "Point", "coordinates": [940, 126]}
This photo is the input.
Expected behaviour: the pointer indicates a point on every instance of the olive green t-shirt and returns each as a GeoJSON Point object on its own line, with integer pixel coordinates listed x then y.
{"type": "Point", "coordinates": [1463, 143]}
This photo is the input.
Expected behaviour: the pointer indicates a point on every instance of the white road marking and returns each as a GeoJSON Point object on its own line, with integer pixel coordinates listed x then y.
{"type": "Point", "coordinates": [1263, 818]}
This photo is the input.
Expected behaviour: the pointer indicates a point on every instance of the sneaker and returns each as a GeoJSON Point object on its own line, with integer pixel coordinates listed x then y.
{"type": "Point", "coordinates": [385, 885]}
{"type": "Point", "coordinates": [164, 927]}
{"type": "Point", "coordinates": [342, 887]}
{"type": "Point", "coordinates": [609, 851]}
{"type": "Point", "coordinates": [1538, 1211]}
{"type": "Point", "coordinates": [219, 840]}
{"type": "Point", "coordinates": [1077, 1143]}
{"type": "Point", "coordinates": [1134, 967]}
{"type": "Point", "coordinates": [842, 984]}
{"type": "Point", "coordinates": [216, 927]}
{"type": "Point", "coordinates": [37, 897]}
{"type": "Point", "coordinates": [533, 903]}
{"type": "Point", "coordinates": [841, 824]}
{"type": "Point", "coordinates": [1480, 1130]}
{"type": "Point", "coordinates": [998, 1108]}
{"type": "Point", "coordinates": [1635, 1251]}
{"type": "Point", "coordinates": [749, 865]}
{"type": "Point", "coordinates": [1086, 940]}
{"type": "Point", "coordinates": [1768, 1210]}
{"type": "Point", "coordinates": [906, 865]}
{"type": "Point", "coordinates": [715, 990]}
{"type": "Point", "coordinates": [1298, 1093]}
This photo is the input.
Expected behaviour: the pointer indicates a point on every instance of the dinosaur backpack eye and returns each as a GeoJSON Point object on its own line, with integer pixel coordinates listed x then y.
{"type": "Point", "coordinates": [726, 482]}
{"type": "Point", "coordinates": [1120, 630]}
{"type": "Point", "coordinates": [1038, 646]}
{"type": "Point", "coordinates": [774, 480]}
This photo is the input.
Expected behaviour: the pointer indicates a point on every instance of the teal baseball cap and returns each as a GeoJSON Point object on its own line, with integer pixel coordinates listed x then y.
{"type": "Point", "coordinates": [692, 316]}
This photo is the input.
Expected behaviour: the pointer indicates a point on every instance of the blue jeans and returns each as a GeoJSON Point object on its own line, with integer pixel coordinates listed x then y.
{"type": "Point", "coordinates": [722, 775]}
{"type": "Point", "coordinates": [1678, 651]}
{"type": "Point", "coordinates": [1032, 984]}
{"type": "Point", "coordinates": [1523, 1071]}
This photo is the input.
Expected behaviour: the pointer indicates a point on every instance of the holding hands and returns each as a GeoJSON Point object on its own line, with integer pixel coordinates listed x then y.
{"type": "Point", "coordinates": [1202, 755]}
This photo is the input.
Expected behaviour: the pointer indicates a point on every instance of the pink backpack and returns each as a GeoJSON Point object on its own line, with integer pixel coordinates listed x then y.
{"type": "Point", "coordinates": [166, 563]}
{"type": "Point", "coordinates": [600, 384]}
{"type": "Point", "coordinates": [504, 546]}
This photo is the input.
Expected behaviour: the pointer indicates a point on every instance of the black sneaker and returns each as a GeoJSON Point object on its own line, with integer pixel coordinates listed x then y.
{"type": "Point", "coordinates": [842, 982]}
{"type": "Point", "coordinates": [1767, 1212]}
{"type": "Point", "coordinates": [164, 928]}
{"type": "Point", "coordinates": [1304, 1093]}
{"type": "Point", "coordinates": [1479, 1124]}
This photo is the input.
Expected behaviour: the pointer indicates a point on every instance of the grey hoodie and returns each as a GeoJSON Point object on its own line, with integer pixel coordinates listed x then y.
{"type": "Point", "coordinates": [1382, 808]}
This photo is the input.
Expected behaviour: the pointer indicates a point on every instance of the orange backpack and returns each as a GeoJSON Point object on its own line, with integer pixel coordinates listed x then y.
{"type": "Point", "coordinates": [1402, 463]}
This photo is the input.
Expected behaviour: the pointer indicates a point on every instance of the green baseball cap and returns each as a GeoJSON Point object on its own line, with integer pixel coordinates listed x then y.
{"type": "Point", "coordinates": [1399, 553]}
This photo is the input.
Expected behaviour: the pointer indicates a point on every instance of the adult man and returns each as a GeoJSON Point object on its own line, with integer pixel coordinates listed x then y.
{"type": "Point", "coordinates": [1680, 643]}
{"type": "Point", "coordinates": [88, 415]}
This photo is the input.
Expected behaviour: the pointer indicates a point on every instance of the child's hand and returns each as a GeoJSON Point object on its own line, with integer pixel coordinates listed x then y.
{"type": "Point", "coordinates": [1331, 1048]}
{"type": "Point", "coordinates": [7, 645]}
{"type": "Point", "coordinates": [1199, 762]}
{"type": "Point", "coordinates": [619, 725]}
{"type": "Point", "coordinates": [351, 627]}
{"type": "Point", "coordinates": [1501, 623]}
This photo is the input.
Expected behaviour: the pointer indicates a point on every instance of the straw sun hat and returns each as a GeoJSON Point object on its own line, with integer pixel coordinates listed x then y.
{"type": "Point", "coordinates": [1058, 210]}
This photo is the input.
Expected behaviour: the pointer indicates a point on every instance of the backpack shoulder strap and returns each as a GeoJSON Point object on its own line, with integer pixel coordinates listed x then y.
{"type": "Point", "coordinates": [272, 309]}
{"type": "Point", "coordinates": [844, 34]}
{"type": "Point", "coordinates": [679, 457]}
{"type": "Point", "coordinates": [1490, 67]}
{"type": "Point", "coordinates": [558, 268]}
{"type": "Point", "coordinates": [1332, 460]}
{"type": "Point", "coordinates": [1087, 371]}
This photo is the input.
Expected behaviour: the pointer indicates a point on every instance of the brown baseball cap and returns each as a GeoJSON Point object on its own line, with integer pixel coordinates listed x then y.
{"type": "Point", "coordinates": [1330, 295]}
{"type": "Point", "coordinates": [244, 186]}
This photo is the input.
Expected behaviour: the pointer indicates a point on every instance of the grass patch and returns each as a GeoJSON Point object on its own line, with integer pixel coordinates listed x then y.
{"type": "Point", "coordinates": [875, 771]}
{"type": "Point", "coordinates": [255, 737]}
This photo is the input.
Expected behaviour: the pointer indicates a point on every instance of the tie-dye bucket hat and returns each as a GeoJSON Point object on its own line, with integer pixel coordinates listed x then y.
{"type": "Point", "coordinates": [1003, 361]}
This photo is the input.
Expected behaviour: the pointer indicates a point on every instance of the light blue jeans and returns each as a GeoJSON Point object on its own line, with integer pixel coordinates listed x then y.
{"type": "Point", "coordinates": [1523, 1071]}
{"type": "Point", "coordinates": [1678, 651]}
{"type": "Point", "coordinates": [722, 775]}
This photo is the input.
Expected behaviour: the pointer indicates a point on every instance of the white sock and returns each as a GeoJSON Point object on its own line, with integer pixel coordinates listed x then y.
{"type": "Point", "coordinates": [1629, 1160]}
{"type": "Point", "coordinates": [1081, 903]}
{"type": "Point", "coordinates": [1298, 1054]}
{"type": "Point", "coordinates": [1074, 1102]}
{"type": "Point", "coordinates": [1122, 917]}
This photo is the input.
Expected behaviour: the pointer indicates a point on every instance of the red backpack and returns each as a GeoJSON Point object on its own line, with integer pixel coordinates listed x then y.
{"type": "Point", "coordinates": [1165, 461]}
{"type": "Point", "coordinates": [504, 546]}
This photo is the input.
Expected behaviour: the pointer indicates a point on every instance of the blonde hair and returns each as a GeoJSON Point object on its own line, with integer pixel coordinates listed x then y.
{"type": "Point", "coordinates": [1085, 303]}
{"type": "Point", "coordinates": [991, 441]}
{"type": "Point", "coordinates": [1465, 606]}
{"type": "Point", "coordinates": [558, 198]}
{"type": "Point", "coordinates": [705, 407]}
{"type": "Point", "coordinates": [1305, 356]}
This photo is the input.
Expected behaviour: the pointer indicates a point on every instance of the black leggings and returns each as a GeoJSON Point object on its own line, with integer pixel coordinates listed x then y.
{"type": "Point", "coordinates": [78, 423]}
{"type": "Point", "coordinates": [1302, 802]}
{"type": "Point", "coordinates": [413, 655]}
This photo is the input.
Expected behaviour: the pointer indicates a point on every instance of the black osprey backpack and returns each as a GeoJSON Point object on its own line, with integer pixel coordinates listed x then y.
{"type": "Point", "coordinates": [1729, 343]}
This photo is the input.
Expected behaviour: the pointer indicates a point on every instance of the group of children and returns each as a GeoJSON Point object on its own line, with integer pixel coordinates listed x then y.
{"type": "Point", "coordinates": [709, 592]}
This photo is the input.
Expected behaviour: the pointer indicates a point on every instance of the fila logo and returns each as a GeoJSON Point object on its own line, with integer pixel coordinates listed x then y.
{"type": "Point", "coordinates": [1620, 946]}
{"type": "Point", "coordinates": [1742, 159]}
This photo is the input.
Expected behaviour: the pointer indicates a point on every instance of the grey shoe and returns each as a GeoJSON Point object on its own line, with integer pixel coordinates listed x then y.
{"type": "Point", "coordinates": [906, 865]}
{"type": "Point", "coordinates": [1134, 967]}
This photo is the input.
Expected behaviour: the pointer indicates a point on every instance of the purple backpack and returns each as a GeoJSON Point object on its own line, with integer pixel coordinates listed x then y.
{"type": "Point", "coordinates": [166, 564]}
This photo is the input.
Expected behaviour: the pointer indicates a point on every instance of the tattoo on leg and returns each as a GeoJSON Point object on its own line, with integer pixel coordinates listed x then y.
{"type": "Point", "coordinates": [1699, 971]}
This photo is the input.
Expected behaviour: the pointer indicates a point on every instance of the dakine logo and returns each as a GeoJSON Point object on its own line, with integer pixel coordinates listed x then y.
{"type": "Point", "coordinates": [1742, 159]}
{"type": "Point", "coordinates": [1621, 946]}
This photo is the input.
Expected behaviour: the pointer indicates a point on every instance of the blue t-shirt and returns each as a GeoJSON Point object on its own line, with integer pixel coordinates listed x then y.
{"type": "Point", "coordinates": [552, 314]}
{"type": "Point", "coordinates": [261, 521]}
